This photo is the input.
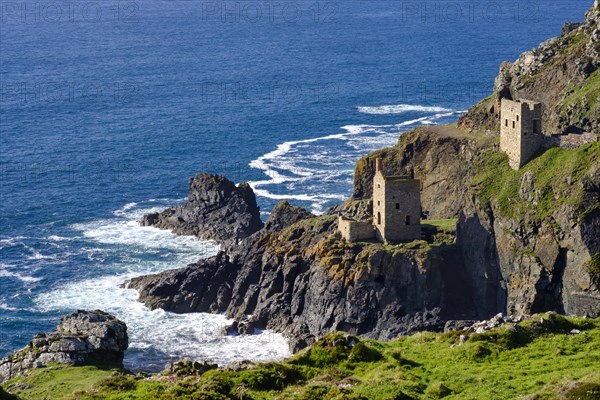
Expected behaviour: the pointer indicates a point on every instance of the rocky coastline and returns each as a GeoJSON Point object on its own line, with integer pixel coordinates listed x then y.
{"type": "Point", "coordinates": [505, 256]}
{"type": "Point", "coordinates": [533, 252]}
{"type": "Point", "coordinates": [296, 276]}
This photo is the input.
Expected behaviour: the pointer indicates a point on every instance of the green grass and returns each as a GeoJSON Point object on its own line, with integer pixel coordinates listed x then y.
{"type": "Point", "coordinates": [585, 97]}
{"type": "Point", "coordinates": [498, 184]}
{"type": "Point", "coordinates": [593, 265]}
{"type": "Point", "coordinates": [538, 358]}
{"type": "Point", "coordinates": [439, 232]}
{"type": "Point", "coordinates": [441, 225]}
{"type": "Point", "coordinates": [58, 381]}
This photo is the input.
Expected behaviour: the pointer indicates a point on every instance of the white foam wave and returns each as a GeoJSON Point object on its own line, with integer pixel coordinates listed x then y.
{"type": "Point", "coordinates": [5, 273]}
{"type": "Point", "coordinates": [133, 212]}
{"type": "Point", "coordinates": [4, 306]}
{"type": "Point", "coordinates": [195, 335]}
{"type": "Point", "coordinates": [126, 231]}
{"type": "Point", "coordinates": [302, 167]}
{"type": "Point", "coordinates": [401, 109]}
{"type": "Point", "coordinates": [11, 241]}
{"type": "Point", "coordinates": [191, 335]}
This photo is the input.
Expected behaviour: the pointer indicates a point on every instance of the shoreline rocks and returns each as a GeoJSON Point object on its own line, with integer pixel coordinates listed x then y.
{"type": "Point", "coordinates": [81, 338]}
{"type": "Point", "coordinates": [299, 278]}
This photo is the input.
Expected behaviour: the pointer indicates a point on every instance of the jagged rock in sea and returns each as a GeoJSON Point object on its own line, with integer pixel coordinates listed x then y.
{"type": "Point", "coordinates": [81, 338]}
{"type": "Point", "coordinates": [216, 209]}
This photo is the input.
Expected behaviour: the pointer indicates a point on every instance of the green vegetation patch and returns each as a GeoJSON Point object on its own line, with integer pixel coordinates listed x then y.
{"type": "Point", "coordinates": [593, 265]}
{"type": "Point", "coordinates": [57, 381]}
{"type": "Point", "coordinates": [497, 184]}
{"type": "Point", "coordinates": [440, 231]}
{"type": "Point", "coordinates": [539, 358]}
{"type": "Point", "coordinates": [441, 225]}
{"type": "Point", "coordinates": [584, 98]}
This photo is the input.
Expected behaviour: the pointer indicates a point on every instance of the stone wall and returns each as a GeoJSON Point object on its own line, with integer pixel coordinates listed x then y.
{"type": "Point", "coordinates": [353, 231]}
{"type": "Point", "coordinates": [510, 141]}
{"type": "Point", "coordinates": [396, 208]}
{"type": "Point", "coordinates": [531, 129]}
{"type": "Point", "coordinates": [571, 140]}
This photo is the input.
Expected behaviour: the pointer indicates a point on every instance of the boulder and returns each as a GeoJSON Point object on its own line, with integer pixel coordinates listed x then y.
{"type": "Point", "coordinates": [81, 338]}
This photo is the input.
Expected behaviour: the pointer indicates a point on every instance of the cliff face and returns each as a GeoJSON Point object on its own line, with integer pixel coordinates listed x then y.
{"type": "Point", "coordinates": [441, 157]}
{"type": "Point", "coordinates": [304, 281]}
{"type": "Point", "coordinates": [531, 235]}
{"type": "Point", "coordinates": [562, 74]}
{"type": "Point", "coordinates": [527, 238]}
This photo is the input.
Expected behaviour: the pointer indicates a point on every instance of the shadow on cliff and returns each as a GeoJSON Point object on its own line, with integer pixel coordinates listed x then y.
{"type": "Point", "coordinates": [481, 266]}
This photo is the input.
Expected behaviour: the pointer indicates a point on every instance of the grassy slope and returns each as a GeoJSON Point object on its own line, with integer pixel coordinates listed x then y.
{"type": "Point", "coordinates": [540, 358]}
{"type": "Point", "coordinates": [587, 95]}
{"type": "Point", "coordinates": [58, 381]}
{"type": "Point", "coordinates": [499, 184]}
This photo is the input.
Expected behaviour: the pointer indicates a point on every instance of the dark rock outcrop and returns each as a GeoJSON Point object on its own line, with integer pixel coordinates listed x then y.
{"type": "Point", "coordinates": [84, 337]}
{"type": "Point", "coordinates": [283, 215]}
{"type": "Point", "coordinates": [216, 209]}
{"type": "Point", "coordinates": [4, 395]}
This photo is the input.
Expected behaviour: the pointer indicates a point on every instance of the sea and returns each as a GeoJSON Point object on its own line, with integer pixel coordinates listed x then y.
{"type": "Point", "coordinates": [108, 107]}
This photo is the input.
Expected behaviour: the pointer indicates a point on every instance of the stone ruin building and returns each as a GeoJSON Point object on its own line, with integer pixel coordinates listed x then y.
{"type": "Point", "coordinates": [520, 130]}
{"type": "Point", "coordinates": [396, 211]}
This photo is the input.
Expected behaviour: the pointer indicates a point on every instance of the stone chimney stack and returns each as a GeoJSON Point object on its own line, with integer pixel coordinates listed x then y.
{"type": "Point", "coordinates": [378, 165]}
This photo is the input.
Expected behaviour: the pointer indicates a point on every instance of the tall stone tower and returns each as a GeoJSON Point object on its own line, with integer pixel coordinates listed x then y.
{"type": "Point", "coordinates": [396, 207]}
{"type": "Point", "coordinates": [520, 130]}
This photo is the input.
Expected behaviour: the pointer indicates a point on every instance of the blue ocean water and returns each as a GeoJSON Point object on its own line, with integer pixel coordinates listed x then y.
{"type": "Point", "coordinates": [108, 107]}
